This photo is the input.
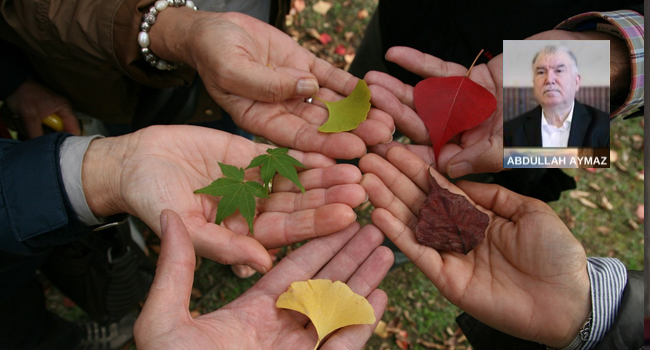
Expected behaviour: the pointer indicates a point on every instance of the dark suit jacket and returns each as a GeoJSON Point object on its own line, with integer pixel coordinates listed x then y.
{"type": "Point", "coordinates": [589, 128]}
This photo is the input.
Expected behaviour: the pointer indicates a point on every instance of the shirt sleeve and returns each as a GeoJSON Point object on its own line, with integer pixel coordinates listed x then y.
{"type": "Point", "coordinates": [71, 157]}
{"type": "Point", "coordinates": [628, 25]}
{"type": "Point", "coordinates": [608, 278]}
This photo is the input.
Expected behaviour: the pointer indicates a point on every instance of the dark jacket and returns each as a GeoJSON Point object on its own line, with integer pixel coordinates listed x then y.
{"type": "Point", "coordinates": [589, 128]}
{"type": "Point", "coordinates": [625, 333]}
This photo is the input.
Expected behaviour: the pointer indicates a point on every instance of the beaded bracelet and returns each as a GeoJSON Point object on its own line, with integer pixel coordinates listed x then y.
{"type": "Point", "coordinates": [148, 20]}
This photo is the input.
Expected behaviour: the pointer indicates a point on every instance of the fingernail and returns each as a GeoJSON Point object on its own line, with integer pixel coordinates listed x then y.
{"type": "Point", "coordinates": [163, 224]}
{"type": "Point", "coordinates": [459, 169]}
{"type": "Point", "coordinates": [306, 87]}
{"type": "Point", "coordinates": [367, 199]}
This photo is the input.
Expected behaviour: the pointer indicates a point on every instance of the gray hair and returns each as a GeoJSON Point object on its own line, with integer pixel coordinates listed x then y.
{"type": "Point", "coordinates": [551, 49]}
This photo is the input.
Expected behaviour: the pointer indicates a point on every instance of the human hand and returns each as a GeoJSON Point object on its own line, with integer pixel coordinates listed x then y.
{"type": "Point", "coordinates": [527, 278]}
{"type": "Point", "coordinates": [252, 321]}
{"type": "Point", "coordinates": [33, 102]}
{"type": "Point", "coordinates": [477, 150]}
{"type": "Point", "coordinates": [261, 76]}
{"type": "Point", "coordinates": [160, 167]}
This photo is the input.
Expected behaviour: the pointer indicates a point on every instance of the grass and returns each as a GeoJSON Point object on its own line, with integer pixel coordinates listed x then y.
{"type": "Point", "coordinates": [417, 316]}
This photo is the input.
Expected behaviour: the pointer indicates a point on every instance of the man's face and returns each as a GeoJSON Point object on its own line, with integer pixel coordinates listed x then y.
{"type": "Point", "coordinates": [555, 80]}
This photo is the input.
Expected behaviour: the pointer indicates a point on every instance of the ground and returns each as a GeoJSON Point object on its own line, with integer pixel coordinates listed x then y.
{"type": "Point", "coordinates": [605, 212]}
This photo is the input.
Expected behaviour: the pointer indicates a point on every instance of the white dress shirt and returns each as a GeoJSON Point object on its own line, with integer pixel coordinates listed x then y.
{"type": "Point", "coordinates": [553, 136]}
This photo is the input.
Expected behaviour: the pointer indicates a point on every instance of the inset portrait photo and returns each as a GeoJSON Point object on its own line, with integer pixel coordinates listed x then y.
{"type": "Point", "coordinates": [555, 103]}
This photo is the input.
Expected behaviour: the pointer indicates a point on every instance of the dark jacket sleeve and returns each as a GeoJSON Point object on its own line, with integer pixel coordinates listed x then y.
{"type": "Point", "coordinates": [34, 210]}
{"type": "Point", "coordinates": [625, 333]}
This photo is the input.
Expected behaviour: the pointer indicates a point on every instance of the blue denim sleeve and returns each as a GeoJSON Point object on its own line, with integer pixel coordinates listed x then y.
{"type": "Point", "coordinates": [34, 210]}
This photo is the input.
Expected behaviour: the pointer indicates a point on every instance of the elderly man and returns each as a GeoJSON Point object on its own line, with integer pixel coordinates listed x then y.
{"type": "Point", "coordinates": [559, 120]}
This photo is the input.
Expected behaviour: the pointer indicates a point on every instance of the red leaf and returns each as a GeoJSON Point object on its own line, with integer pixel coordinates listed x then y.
{"type": "Point", "coordinates": [325, 38]}
{"type": "Point", "coordinates": [448, 221]}
{"type": "Point", "coordinates": [451, 105]}
{"type": "Point", "coordinates": [340, 49]}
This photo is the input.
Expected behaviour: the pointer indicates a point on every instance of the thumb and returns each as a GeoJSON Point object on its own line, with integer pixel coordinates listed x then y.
{"type": "Point", "coordinates": [482, 157]}
{"type": "Point", "coordinates": [267, 84]}
{"type": "Point", "coordinates": [70, 121]}
{"type": "Point", "coordinates": [172, 285]}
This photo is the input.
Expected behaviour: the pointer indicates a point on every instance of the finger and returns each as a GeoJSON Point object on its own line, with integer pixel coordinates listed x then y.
{"type": "Point", "coordinates": [334, 78]}
{"type": "Point", "coordinates": [405, 118]}
{"type": "Point", "coordinates": [499, 200]}
{"type": "Point", "coordinates": [172, 285]}
{"type": "Point", "coordinates": [482, 157]}
{"type": "Point", "coordinates": [356, 336]}
{"type": "Point", "coordinates": [352, 195]}
{"type": "Point", "coordinates": [267, 84]}
{"type": "Point", "coordinates": [423, 152]}
{"type": "Point", "coordinates": [403, 92]}
{"type": "Point", "coordinates": [338, 174]}
{"type": "Point", "coordinates": [354, 255]}
{"type": "Point", "coordinates": [225, 246]}
{"type": "Point", "coordinates": [33, 128]}
{"type": "Point", "coordinates": [70, 121]}
{"type": "Point", "coordinates": [422, 64]}
{"type": "Point", "coordinates": [304, 262]}
{"type": "Point", "coordinates": [275, 229]}
{"type": "Point", "coordinates": [427, 259]}
{"type": "Point", "coordinates": [382, 197]}
{"type": "Point", "coordinates": [289, 130]}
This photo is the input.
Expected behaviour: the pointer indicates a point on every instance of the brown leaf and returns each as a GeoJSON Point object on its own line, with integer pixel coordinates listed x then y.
{"type": "Point", "coordinates": [575, 194]}
{"type": "Point", "coordinates": [568, 218]}
{"type": "Point", "coordinates": [620, 166]}
{"type": "Point", "coordinates": [640, 212]}
{"type": "Point", "coordinates": [605, 204]}
{"type": "Point", "coordinates": [639, 176]}
{"type": "Point", "coordinates": [196, 293]}
{"type": "Point", "coordinates": [594, 186]}
{"type": "Point", "coordinates": [430, 345]}
{"type": "Point", "coordinates": [363, 14]}
{"type": "Point", "coordinates": [637, 142]}
{"type": "Point", "coordinates": [633, 224]}
{"type": "Point", "coordinates": [313, 33]}
{"type": "Point", "coordinates": [603, 230]}
{"type": "Point", "coordinates": [448, 221]}
{"type": "Point", "coordinates": [613, 156]}
{"type": "Point", "coordinates": [588, 203]}
{"type": "Point", "coordinates": [195, 313]}
{"type": "Point", "coordinates": [322, 7]}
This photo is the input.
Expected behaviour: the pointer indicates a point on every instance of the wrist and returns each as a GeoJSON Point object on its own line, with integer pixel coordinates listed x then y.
{"type": "Point", "coordinates": [100, 176]}
{"type": "Point", "coordinates": [171, 36]}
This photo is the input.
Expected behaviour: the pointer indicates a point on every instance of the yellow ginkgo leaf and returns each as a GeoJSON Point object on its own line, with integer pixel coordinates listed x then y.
{"type": "Point", "coordinates": [328, 305]}
{"type": "Point", "coordinates": [348, 113]}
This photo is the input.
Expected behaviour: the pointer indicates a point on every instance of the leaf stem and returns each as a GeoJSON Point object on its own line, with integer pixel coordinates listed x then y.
{"type": "Point", "coordinates": [472, 66]}
{"type": "Point", "coordinates": [320, 99]}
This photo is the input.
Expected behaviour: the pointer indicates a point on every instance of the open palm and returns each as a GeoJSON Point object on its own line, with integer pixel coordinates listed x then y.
{"type": "Point", "coordinates": [478, 149]}
{"type": "Point", "coordinates": [161, 167]}
{"type": "Point", "coordinates": [527, 278]}
{"type": "Point", "coordinates": [252, 321]}
{"type": "Point", "coordinates": [250, 69]}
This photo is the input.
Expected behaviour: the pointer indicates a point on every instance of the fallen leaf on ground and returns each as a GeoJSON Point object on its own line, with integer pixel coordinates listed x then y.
{"type": "Point", "coordinates": [640, 212]}
{"type": "Point", "coordinates": [613, 156]}
{"type": "Point", "coordinates": [340, 49]}
{"type": "Point", "coordinates": [620, 166]}
{"type": "Point", "coordinates": [329, 305]}
{"type": "Point", "coordinates": [313, 33]}
{"type": "Point", "coordinates": [451, 105]}
{"type": "Point", "coordinates": [322, 7]}
{"type": "Point", "coordinates": [594, 186]}
{"type": "Point", "coordinates": [448, 221]}
{"type": "Point", "coordinates": [605, 204]}
{"type": "Point", "coordinates": [325, 38]}
{"type": "Point", "coordinates": [603, 230]}
{"type": "Point", "coordinates": [588, 203]}
{"type": "Point", "coordinates": [578, 194]}
{"type": "Point", "coordinates": [348, 113]}
{"type": "Point", "coordinates": [633, 224]}
{"type": "Point", "coordinates": [362, 14]}
{"type": "Point", "coordinates": [639, 176]}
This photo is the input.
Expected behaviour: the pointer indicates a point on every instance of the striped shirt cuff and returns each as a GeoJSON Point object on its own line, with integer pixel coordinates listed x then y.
{"type": "Point", "coordinates": [628, 25]}
{"type": "Point", "coordinates": [608, 278]}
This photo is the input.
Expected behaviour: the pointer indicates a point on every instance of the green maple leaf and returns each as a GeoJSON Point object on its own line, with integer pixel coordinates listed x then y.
{"type": "Point", "coordinates": [348, 113]}
{"type": "Point", "coordinates": [277, 160]}
{"type": "Point", "coordinates": [236, 193]}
